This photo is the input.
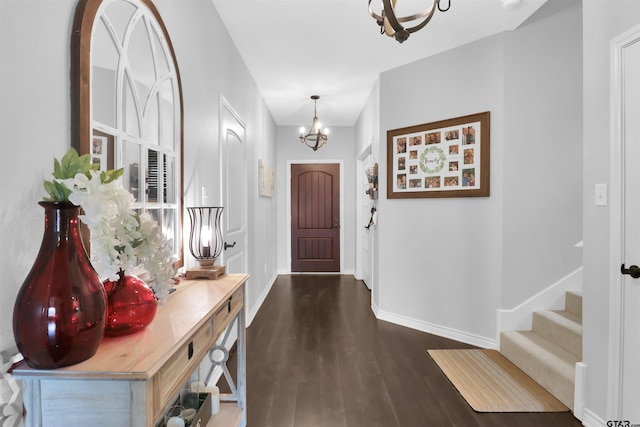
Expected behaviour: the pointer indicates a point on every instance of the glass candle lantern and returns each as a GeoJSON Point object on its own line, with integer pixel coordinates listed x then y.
{"type": "Point", "coordinates": [205, 242]}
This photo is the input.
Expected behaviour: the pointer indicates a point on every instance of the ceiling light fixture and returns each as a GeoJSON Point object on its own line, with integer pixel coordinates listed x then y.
{"type": "Point", "coordinates": [391, 25]}
{"type": "Point", "coordinates": [314, 139]}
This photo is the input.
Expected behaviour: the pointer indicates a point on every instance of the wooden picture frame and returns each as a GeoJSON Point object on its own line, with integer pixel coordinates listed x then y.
{"type": "Point", "coordinates": [447, 158]}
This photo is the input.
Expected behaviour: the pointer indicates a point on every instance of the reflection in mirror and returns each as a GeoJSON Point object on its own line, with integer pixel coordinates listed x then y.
{"type": "Point", "coordinates": [128, 104]}
{"type": "Point", "coordinates": [131, 177]}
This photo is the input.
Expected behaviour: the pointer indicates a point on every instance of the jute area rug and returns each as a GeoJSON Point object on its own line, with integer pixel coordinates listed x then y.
{"type": "Point", "coordinates": [489, 382]}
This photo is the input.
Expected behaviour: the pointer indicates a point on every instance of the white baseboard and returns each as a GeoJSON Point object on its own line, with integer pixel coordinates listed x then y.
{"type": "Point", "coordinates": [375, 309]}
{"type": "Point", "coordinates": [430, 328]}
{"type": "Point", "coordinates": [251, 314]}
{"type": "Point", "coordinates": [579, 390]}
{"type": "Point", "coordinates": [551, 298]}
{"type": "Point", "coordinates": [590, 419]}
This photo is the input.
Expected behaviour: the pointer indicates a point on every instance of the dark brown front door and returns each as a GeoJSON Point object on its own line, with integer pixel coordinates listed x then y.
{"type": "Point", "coordinates": [315, 217]}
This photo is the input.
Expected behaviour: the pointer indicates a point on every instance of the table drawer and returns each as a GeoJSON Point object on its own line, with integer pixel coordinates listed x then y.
{"type": "Point", "coordinates": [227, 312]}
{"type": "Point", "coordinates": [173, 374]}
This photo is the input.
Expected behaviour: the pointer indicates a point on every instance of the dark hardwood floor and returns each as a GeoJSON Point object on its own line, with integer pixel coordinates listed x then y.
{"type": "Point", "coordinates": [318, 357]}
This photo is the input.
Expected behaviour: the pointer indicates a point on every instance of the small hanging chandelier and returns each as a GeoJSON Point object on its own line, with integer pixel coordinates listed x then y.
{"type": "Point", "coordinates": [314, 139]}
{"type": "Point", "coordinates": [391, 25]}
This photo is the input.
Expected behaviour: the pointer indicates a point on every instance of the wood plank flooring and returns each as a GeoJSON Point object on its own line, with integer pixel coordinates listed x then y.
{"type": "Point", "coordinates": [317, 357]}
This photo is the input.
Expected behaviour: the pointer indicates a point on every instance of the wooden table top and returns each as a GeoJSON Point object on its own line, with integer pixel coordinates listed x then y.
{"type": "Point", "coordinates": [141, 355]}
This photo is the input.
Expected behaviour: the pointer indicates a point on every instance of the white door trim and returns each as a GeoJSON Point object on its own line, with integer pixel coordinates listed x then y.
{"type": "Point", "coordinates": [292, 162]}
{"type": "Point", "coordinates": [616, 223]}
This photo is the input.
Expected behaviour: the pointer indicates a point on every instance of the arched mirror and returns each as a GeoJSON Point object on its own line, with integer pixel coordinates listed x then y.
{"type": "Point", "coordinates": [127, 104]}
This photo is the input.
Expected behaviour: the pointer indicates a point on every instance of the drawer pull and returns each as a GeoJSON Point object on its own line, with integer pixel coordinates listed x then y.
{"type": "Point", "coordinates": [190, 351]}
{"type": "Point", "coordinates": [229, 306]}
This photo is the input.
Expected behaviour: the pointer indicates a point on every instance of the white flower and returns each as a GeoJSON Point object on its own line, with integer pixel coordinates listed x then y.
{"type": "Point", "coordinates": [120, 238]}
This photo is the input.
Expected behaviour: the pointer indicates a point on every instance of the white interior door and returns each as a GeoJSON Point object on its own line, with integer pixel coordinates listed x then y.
{"type": "Point", "coordinates": [234, 188]}
{"type": "Point", "coordinates": [631, 235]}
{"type": "Point", "coordinates": [367, 239]}
{"type": "Point", "coordinates": [626, 237]}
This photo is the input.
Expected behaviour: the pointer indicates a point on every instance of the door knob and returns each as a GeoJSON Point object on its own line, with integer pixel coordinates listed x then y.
{"type": "Point", "coordinates": [633, 271]}
{"type": "Point", "coordinates": [226, 245]}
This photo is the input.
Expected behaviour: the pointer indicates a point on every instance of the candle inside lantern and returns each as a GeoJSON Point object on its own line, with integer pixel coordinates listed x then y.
{"type": "Point", "coordinates": [205, 237]}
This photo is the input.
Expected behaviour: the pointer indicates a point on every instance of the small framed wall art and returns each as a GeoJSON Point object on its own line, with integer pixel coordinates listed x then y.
{"type": "Point", "coordinates": [448, 158]}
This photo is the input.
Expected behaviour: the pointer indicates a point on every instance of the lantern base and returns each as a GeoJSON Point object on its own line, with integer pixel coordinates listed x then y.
{"type": "Point", "coordinates": [211, 273]}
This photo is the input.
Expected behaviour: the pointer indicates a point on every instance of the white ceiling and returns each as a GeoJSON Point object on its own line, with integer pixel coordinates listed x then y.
{"type": "Point", "coordinates": [333, 48]}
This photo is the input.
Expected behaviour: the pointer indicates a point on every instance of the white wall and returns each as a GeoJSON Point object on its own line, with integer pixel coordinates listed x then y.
{"type": "Point", "coordinates": [338, 148]}
{"type": "Point", "coordinates": [602, 22]}
{"type": "Point", "coordinates": [35, 127]}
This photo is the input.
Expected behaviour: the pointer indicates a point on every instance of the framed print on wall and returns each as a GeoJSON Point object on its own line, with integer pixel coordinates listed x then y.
{"type": "Point", "coordinates": [447, 158]}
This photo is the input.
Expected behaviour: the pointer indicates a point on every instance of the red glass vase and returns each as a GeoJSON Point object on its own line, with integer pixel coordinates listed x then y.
{"type": "Point", "coordinates": [60, 312]}
{"type": "Point", "coordinates": [131, 306]}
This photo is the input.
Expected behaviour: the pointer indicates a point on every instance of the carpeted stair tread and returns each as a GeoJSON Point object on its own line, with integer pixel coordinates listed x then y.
{"type": "Point", "coordinates": [560, 327]}
{"type": "Point", "coordinates": [548, 364]}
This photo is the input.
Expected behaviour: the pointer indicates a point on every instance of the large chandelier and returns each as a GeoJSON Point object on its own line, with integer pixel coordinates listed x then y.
{"type": "Point", "coordinates": [391, 25]}
{"type": "Point", "coordinates": [314, 139]}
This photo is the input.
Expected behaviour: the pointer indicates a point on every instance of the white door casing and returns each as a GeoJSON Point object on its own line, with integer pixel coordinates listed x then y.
{"type": "Point", "coordinates": [624, 385]}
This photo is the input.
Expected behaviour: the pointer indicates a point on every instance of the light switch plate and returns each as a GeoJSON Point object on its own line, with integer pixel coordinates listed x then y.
{"type": "Point", "coordinates": [204, 195]}
{"type": "Point", "coordinates": [601, 194]}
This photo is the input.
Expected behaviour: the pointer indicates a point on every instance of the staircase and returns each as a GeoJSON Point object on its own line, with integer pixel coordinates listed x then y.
{"type": "Point", "coordinates": [549, 352]}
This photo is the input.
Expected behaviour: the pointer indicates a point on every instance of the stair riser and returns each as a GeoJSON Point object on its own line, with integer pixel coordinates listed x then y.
{"type": "Point", "coordinates": [564, 337]}
{"type": "Point", "coordinates": [573, 303]}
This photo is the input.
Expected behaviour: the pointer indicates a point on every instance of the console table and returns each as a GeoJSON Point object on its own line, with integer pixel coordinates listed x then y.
{"type": "Point", "coordinates": [131, 380]}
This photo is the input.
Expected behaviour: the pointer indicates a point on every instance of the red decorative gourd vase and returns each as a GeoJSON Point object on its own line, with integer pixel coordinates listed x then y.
{"type": "Point", "coordinates": [60, 312]}
{"type": "Point", "coordinates": [131, 306]}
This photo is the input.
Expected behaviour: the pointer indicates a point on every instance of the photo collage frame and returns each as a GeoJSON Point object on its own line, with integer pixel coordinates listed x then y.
{"type": "Point", "coordinates": [448, 158]}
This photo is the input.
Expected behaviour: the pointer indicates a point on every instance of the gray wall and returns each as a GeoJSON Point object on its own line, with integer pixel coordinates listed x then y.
{"type": "Point", "coordinates": [211, 67]}
{"type": "Point", "coordinates": [445, 252]}
{"type": "Point", "coordinates": [456, 261]}
{"type": "Point", "coordinates": [542, 151]}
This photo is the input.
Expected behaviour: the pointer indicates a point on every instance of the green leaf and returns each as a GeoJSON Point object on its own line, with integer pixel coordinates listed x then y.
{"type": "Point", "coordinates": [69, 166]}
{"type": "Point", "coordinates": [57, 169]}
{"type": "Point", "coordinates": [68, 163]}
{"type": "Point", "coordinates": [57, 192]}
{"type": "Point", "coordinates": [85, 165]}
{"type": "Point", "coordinates": [111, 175]}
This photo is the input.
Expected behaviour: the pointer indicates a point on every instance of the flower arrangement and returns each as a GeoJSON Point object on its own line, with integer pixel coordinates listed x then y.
{"type": "Point", "coordinates": [120, 237]}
